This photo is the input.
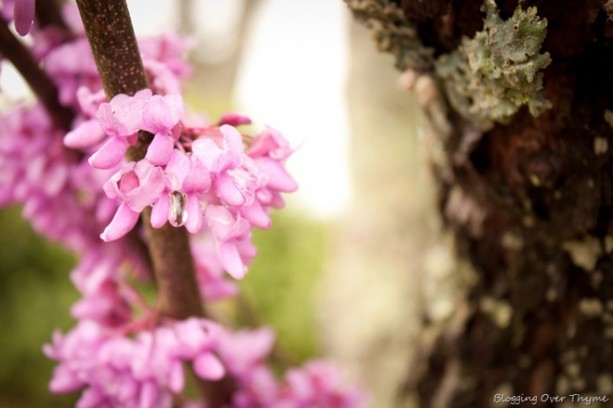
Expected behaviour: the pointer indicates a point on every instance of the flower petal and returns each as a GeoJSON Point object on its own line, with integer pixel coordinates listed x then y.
{"type": "Point", "coordinates": [162, 113]}
{"type": "Point", "coordinates": [177, 169]}
{"type": "Point", "coordinates": [194, 214]}
{"type": "Point", "coordinates": [208, 367]}
{"type": "Point", "coordinates": [256, 215]}
{"type": "Point", "coordinates": [110, 154]}
{"type": "Point", "coordinates": [64, 380]}
{"type": "Point", "coordinates": [159, 214]}
{"type": "Point", "coordinates": [227, 190]}
{"type": "Point", "coordinates": [234, 119]}
{"type": "Point", "coordinates": [279, 178]}
{"type": "Point", "coordinates": [86, 135]}
{"type": "Point", "coordinates": [23, 15]}
{"type": "Point", "coordinates": [124, 220]}
{"type": "Point", "coordinates": [231, 260]}
{"type": "Point", "coordinates": [160, 150]}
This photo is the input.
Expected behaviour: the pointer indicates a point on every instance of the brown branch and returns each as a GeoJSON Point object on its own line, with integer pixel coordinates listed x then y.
{"type": "Point", "coordinates": [38, 81]}
{"type": "Point", "coordinates": [110, 33]}
{"type": "Point", "coordinates": [49, 13]}
{"type": "Point", "coordinates": [111, 36]}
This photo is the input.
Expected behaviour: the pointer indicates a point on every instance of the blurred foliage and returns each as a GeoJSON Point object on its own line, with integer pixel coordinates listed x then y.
{"type": "Point", "coordinates": [36, 296]}
{"type": "Point", "coordinates": [281, 283]}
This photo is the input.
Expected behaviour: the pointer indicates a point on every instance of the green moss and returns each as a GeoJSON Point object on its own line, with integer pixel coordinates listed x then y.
{"type": "Point", "coordinates": [491, 76]}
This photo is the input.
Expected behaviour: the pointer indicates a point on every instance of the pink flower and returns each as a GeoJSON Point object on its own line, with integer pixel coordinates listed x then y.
{"type": "Point", "coordinates": [86, 135]}
{"type": "Point", "coordinates": [137, 185]}
{"type": "Point", "coordinates": [190, 180]}
{"type": "Point", "coordinates": [319, 384]}
{"type": "Point", "coordinates": [269, 151]}
{"type": "Point", "coordinates": [234, 119]}
{"type": "Point", "coordinates": [72, 66]}
{"type": "Point", "coordinates": [227, 229]}
{"type": "Point", "coordinates": [220, 161]}
{"type": "Point", "coordinates": [244, 350]}
{"type": "Point", "coordinates": [161, 115]}
{"type": "Point", "coordinates": [209, 270]}
{"type": "Point", "coordinates": [120, 119]}
{"type": "Point", "coordinates": [118, 371]}
{"type": "Point", "coordinates": [24, 15]}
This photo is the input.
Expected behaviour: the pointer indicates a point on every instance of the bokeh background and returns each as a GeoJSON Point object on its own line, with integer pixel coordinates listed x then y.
{"type": "Point", "coordinates": [339, 274]}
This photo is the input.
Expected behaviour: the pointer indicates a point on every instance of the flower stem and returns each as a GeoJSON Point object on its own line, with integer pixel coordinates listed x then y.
{"type": "Point", "coordinates": [110, 33]}
{"type": "Point", "coordinates": [38, 81]}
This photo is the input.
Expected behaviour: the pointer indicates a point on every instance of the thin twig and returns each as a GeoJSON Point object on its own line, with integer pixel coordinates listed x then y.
{"type": "Point", "coordinates": [42, 86]}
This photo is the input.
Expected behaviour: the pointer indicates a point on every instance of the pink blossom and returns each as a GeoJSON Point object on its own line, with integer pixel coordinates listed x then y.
{"type": "Point", "coordinates": [137, 185]}
{"type": "Point", "coordinates": [234, 119]}
{"type": "Point", "coordinates": [212, 179]}
{"type": "Point", "coordinates": [188, 177]}
{"type": "Point", "coordinates": [161, 114]}
{"type": "Point", "coordinates": [319, 384]}
{"type": "Point", "coordinates": [120, 119]}
{"type": "Point", "coordinates": [119, 371]}
{"type": "Point", "coordinates": [24, 15]}
{"type": "Point", "coordinates": [244, 350]}
{"type": "Point", "coordinates": [72, 66]}
{"type": "Point", "coordinates": [209, 270]}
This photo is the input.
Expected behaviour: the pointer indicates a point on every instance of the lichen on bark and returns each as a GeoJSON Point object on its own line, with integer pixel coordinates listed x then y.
{"type": "Point", "coordinates": [492, 75]}
{"type": "Point", "coordinates": [393, 33]}
{"type": "Point", "coordinates": [529, 203]}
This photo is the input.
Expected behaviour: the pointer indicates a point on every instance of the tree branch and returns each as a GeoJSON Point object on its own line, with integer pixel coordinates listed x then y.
{"type": "Point", "coordinates": [49, 13]}
{"type": "Point", "coordinates": [110, 33]}
{"type": "Point", "coordinates": [38, 81]}
{"type": "Point", "coordinates": [111, 36]}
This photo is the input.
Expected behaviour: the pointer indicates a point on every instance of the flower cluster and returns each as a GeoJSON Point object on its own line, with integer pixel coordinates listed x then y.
{"type": "Point", "coordinates": [316, 384]}
{"type": "Point", "coordinates": [141, 372]}
{"type": "Point", "coordinates": [147, 370]}
{"type": "Point", "coordinates": [200, 177]}
{"type": "Point", "coordinates": [77, 187]}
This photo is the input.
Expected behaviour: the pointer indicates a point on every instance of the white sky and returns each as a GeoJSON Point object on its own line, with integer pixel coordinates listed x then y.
{"type": "Point", "coordinates": [292, 77]}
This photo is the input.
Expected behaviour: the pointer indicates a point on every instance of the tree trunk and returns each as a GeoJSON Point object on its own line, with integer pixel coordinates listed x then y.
{"type": "Point", "coordinates": [527, 198]}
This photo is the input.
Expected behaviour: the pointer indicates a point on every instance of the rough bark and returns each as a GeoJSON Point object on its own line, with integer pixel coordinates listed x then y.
{"type": "Point", "coordinates": [529, 204]}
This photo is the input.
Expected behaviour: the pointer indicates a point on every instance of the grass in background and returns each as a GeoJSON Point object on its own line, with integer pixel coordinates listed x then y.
{"type": "Point", "coordinates": [35, 298]}
{"type": "Point", "coordinates": [281, 283]}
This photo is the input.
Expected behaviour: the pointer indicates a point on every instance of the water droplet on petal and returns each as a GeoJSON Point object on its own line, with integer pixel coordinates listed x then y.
{"type": "Point", "coordinates": [177, 214]}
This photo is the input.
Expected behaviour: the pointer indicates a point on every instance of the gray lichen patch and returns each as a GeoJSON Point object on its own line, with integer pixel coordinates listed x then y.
{"type": "Point", "coordinates": [601, 145]}
{"type": "Point", "coordinates": [591, 307]}
{"type": "Point", "coordinates": [499, 311]}
{"type": "Point", "coordinates": [584, 253]}
{"type": "Point", "coordinates": [393, 33]}
{"type": "Point", "coordinates": [608, 117]}
{"type": "Point", "coordinates": [608, 8]}
{"type": "Point", "coordinates": [605, 384]}
{"type": "Point", "coordinates": [491, 76]}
